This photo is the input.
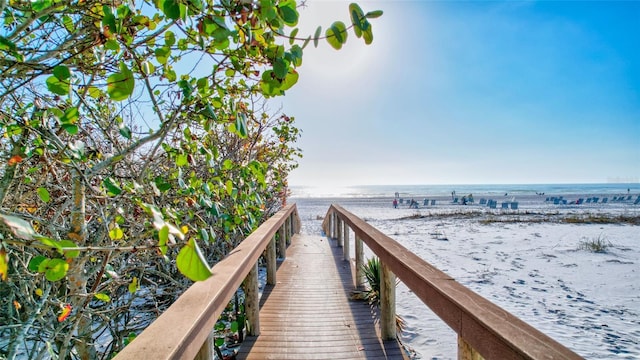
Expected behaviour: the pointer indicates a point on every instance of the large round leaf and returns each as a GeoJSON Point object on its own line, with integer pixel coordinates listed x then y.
{"type": "Point", "coordinates": [191, 262]}
{"type": "Point", "coordinates": [337, 35]}
{"type": "Point", "coordinates": [120, 85]}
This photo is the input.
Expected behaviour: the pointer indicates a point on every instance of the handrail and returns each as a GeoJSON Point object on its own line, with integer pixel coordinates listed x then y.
{"type": "Point", "coordinates": [484, 329]}
{"type": "Point", "coordinates": [184, 328]}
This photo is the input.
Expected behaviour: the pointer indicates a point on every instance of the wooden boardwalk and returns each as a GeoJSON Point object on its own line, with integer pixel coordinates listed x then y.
{"type": "Point", "coordinates": [309, 315]}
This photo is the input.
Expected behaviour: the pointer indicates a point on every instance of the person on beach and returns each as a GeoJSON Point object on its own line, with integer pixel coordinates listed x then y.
{"type": "Point", "coordinates": [395, 203]}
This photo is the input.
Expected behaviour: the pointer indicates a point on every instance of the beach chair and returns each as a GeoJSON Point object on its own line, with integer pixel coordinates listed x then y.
{"type": "Point", "coordinates": [514, 205]}
{"type": "Point", "coordinates": [605, 200]}
{"type": "Point", "coordinates": [426, 202]}
{"type": "Point", "coordinates": [580, 201]}
{"type": "Point", "coordinates": [556, 201]}
{"type": "Point", "coordinates": [483, 201]}
{"type": "Point", "coordinates": [629, 198]}
{"type": "Point", "coordinates": [455, 200]}
{"type": "Point", "coordinates": [589, 200]}
{"type": "Point", "coordinates": [433, 202]}
{"type": "Point", "coordinates": [505, 205]}
{"type": "Point", "coordinates": [637, 200]}
{"type": "Point", "coordinates": [493, 204]}
{"type": "Point", "coordinates": [595, 199]}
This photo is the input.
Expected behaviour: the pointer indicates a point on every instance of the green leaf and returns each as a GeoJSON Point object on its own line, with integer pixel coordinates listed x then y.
{"type": "Point", "coordinates": [68, 23]}
{"type": "Point", "coordinates": [191, 262]}
{"type": "Point", "coordinates": [162, 54]}
{"type": "Point", "coordinates": [337, 35]}
{"type": "Point", "coordinates": [34, 263]}
{"type": "Point", "coordinates": [133, 285]}
{"type": "Point", "coordinates": [288, 13]}
{"type": "Point", "coordinates": [70, 128]}
{"type": "Point", "coordinates": [120, 85]}
{"type": "Point", "coordinates": [69, 254]}
{"type": "Point", "coordinates": [57, 86]}
{"type": "Point", "coordinates": [70, 116]}
{"type": "Point", "coordinates": [19, 228]}
{"type": "Point", "coordinates": [61, 72]}
{"type": "Point", "coordinates": [102, 297]}
{"type": "Point", "coordinates": [112, 187]}
{"type": "Point", "coordinates": [182, 160]}
{"type": "Point", "coordinates": [290, 80]}
{"type": "Point", "coordinates": [125, 131]}
{"type": "Point", "coordinates": [357, 16]}
{"type": "Point", "coordinates": [280, 68]}
{"type": "Point", "coordinates": [169, 38]}
{"type": "Point", "coordinates": [6, 44]}
{"type": "Point", "coordinates": [112, 45]}
{"type": "Point", "coordinates": [373, 14]}
{"type": "Point", "coordinates": [317, 36]}
{"type": "Point", "coordinates": [204, 235]}
{"type": "Point", "coordinates": [292, 36]}
{"type": "Point", "coordinates": [163, 238]}
{"type": "Point", "coordinates": [40, 5]}
{"type": "Point", "coordinates": [116, 233]}
{"type": "Point", "coordinates": [368, 36]}
{"type": "Point", "coordinates": [171, 9]}
{"type": "Point", "coordinates": [241, 125]}
{"type": "Point", "coordinates": [229, 187]}
{"type": "Point", "coordinates": [54, 269]}
{"type": "Point", "coordinates": [43, 193]}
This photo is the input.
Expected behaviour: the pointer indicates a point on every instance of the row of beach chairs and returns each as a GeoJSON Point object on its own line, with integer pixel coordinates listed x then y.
{"type": "Point", "coordinates": [592, 200]}
{"type": "Point", "coordinates": [492, 204]}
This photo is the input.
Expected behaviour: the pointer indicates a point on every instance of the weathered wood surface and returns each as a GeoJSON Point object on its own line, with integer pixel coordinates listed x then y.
{"type": "Point", "coordinates": [308, 314]}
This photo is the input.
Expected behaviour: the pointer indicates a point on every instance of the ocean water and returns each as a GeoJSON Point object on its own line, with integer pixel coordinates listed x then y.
{"type": "Point", "coordinates": [419, 191]}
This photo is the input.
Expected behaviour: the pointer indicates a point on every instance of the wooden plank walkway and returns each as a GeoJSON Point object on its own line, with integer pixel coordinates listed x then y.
{"type": "Point", "coordinates": [308, 314]}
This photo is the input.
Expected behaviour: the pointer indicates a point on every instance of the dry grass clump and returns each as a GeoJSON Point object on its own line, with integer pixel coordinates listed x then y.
{"type": "Point", "coordinates": [596, 245]}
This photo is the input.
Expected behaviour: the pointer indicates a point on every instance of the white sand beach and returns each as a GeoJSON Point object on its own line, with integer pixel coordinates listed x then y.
{"type": "Point", "coordinates": [525, 260]}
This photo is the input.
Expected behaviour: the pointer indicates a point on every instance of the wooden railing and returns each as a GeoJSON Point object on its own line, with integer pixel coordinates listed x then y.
{"type": "Point", "coordinates": [484, 329]}
{"type": "Point", "coordinates": [184, 330]}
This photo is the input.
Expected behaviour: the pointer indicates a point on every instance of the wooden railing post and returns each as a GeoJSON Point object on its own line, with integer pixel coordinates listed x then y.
{"type": "Point", "coordinates": [206, 351]}
{"type": "Point", "coordinates": [359, 263]}
{"type": "Point", "coordinates": [283, 241]}
{"type": "Point", "coordinates": [466, 352]}
{"type": "Point", "coordinates": [345, 241]}
{"type": "Point", "coordinates": [339, 231]}
{"type": "Point", "coordinates": [252, 301]}
{"type": "Point", "coordinates": [271, 261]}
{"type": "Point", "coordinates": [335, 226]}
{"type": "Point", "coordinates": [387, 303]}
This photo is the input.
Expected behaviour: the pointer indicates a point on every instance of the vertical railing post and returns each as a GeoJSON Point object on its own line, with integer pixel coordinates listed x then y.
{"type": "Point", "coordinates": [271, 261]}
{"type": "Point", "coordinates": [283, 241]}
{"type": "Point", "coordinates": [252, 301]}
{"type": "Point", "coordinates": [287, 226]}
{"type": "Point", "coordinates": [345, 238]}
{"type": "Point", "coordinates": [334, 230]}
{"type": "Point", "coordinates": [206, 351]}
{"type": "Point", "coordinates": [466, 352]}
{"type": "Point", "coordinates": [359, 263]}
{"type": "Point", "coordinates": [387, 303]}
{"type": "Point", "coordinates": [339, 232]}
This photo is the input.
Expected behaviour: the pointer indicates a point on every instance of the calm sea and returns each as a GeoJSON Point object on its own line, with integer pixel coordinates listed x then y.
{"type": "Point", "coordinates": [371, 191]}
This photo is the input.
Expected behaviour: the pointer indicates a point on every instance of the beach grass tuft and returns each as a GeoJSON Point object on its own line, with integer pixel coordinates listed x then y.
{"type": "Point", "coordinates": [596, 245]}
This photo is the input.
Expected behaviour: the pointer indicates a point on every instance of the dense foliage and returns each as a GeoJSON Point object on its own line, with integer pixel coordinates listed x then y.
{"type": "Point", "coordinates": [136, 143]}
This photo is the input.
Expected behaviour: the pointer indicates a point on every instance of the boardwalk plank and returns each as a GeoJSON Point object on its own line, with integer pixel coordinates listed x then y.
{"type": "Point", "coordinates": [308, 314]}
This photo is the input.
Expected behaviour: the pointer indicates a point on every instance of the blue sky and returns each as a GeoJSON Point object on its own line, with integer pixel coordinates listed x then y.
{"type": "Point", "coordinates": [471, 93]}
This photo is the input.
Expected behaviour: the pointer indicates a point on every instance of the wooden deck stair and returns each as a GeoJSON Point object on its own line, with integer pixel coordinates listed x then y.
{"type": "Point", "coordinates": [309, 314]}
